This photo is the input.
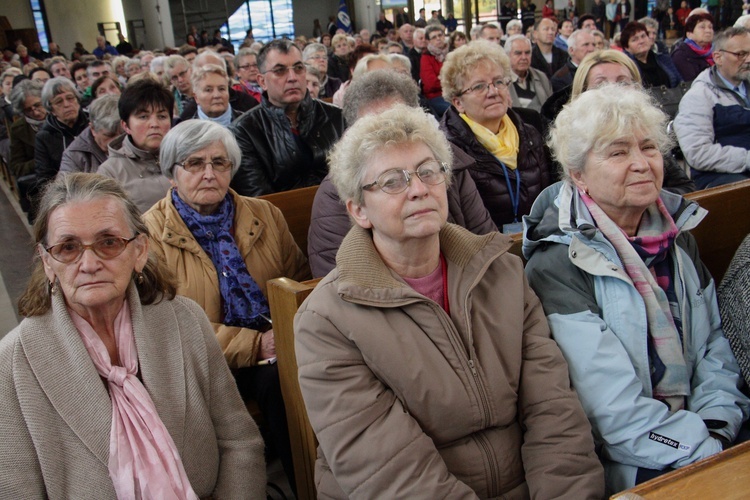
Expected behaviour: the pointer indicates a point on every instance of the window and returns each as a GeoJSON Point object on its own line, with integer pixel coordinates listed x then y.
{"type": "Point", "coordinates": [269, 19]}
{"type": "Point", "coordinates": [40, 21]}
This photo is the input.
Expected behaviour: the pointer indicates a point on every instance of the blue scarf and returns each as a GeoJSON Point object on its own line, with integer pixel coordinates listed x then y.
{"type": "Point", "coordinates": [224, 120]}
{"type": "Point", "coordinates": [243, 301]}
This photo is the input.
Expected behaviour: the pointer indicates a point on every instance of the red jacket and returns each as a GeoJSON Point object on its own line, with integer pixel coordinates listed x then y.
{"type": "Point", "coordinates": [429, 73]}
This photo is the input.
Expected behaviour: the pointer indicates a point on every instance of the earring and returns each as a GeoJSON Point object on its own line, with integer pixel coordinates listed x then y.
{"type": "Point", "coordinates": [52, 288]}
{"type": "Point", "coordinates": [139, 279]}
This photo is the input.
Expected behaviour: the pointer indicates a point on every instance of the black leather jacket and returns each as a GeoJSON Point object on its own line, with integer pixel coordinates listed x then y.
{"type": "Point", "coordinates": [274, 158]}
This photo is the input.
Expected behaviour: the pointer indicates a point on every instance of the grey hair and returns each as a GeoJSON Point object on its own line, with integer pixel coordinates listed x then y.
{"type": "Point", "coordinates": [12, 71]}
{"type": "Point", "coordinates": [720, 41]}
{"type": "Point", "coordinates": [573, 38]}
{"type": "Point", "coordinates": [54, 60]}
{"type": "Point", "coordinates": [98, 64]}
{"type": "Point", "coordinates": [461, 63]}
{"type": "Point", "coordinates": [601, 116]}
{"type": "Point", "coordinates": [104, 115]}
{"type": "Point", "coordinates": [509, 42]}
{"type": "Point", "coordinates": [157, 62]}
{"type": "Point", "coordinates": [314, 71]}
{"type": "Point", "coordinates": [513, 22]}
{"type": "Point", "coordinates": [173, 61]}
{"type": "Point", "coordinates": [244, 52]}
{"type": "Point", "coordinates": [192, 136]}
{"type": "Point", "coordinates": [200, 72]}
{"type": "Point", "coordinates": [200, 59]}
{"type": "Point", "coordinates": [363, 64]}
{"type": "Point", "coordinates": [22, 91]}
{"type": "Point", "coordinates": [490, 26]}
{"type": "Point", "coordinates": [56, 86]}
{"type": "Point", "coordinates": [131, 63]}
{"type": "Point", "coordinates": [370, 135]}
{"type": "Point", "coordinates": [401, 59]}
{"type": "Point", "coordinates": [649, 22]}
{"type": "Point", "coordinates": [742, 21]}
{"type": "Point", "coordinates": [312, 49]}
{"type": "Point", "coordinates": [377, 86]}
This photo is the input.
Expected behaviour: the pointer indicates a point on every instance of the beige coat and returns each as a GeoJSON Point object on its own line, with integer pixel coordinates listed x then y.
{"type": "Point", "coordinates": [265, 244]}
{"type": "Point", "coordinates": [56, 414]}
{"type": "Point", "coordinates": [410, 402]}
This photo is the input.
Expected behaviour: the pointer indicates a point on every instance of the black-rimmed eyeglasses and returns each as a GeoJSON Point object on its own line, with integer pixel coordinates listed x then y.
{"type": "Point", "coordinates": [280, 71]}
{"type": "Point", "coordinates": [396, 180]}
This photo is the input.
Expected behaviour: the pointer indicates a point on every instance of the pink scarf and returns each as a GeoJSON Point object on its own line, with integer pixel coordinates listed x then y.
{"type": "Point", "coordinates": [143, 459]}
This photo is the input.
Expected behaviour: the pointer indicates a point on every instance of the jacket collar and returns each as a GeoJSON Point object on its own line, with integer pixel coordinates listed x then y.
{"type": "Point", "coordinates": [79, 394]}
{"type": "Point", "coordinates": [305, 113]}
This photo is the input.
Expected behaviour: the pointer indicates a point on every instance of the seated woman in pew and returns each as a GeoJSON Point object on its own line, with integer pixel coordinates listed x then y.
{"type": "Point", "coordinates": [425, 361]}
{"type": "Point", "coordinates": [223, 248]}
{"type": "Point", "coordinates": [111, 386]}
{"type": "Point", "coordinates": [628, 300]}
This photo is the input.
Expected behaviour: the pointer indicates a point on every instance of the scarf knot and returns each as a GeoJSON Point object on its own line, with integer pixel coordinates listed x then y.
{"type": "Point", "coordinates": [117, 375]}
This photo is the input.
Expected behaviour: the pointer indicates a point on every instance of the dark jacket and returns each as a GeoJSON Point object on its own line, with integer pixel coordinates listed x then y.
{"type": "Point", "coordinates": [338, 67]}
{"type": "Point", "coordinates": [415, 56]}
{"type": "Point", "coordinates": [22, 140]}
{"type": "Point", "coordinates": [688, 63]}
{"type": "Point", "coordinates": [329, 221]}
{"type": "Point", "coordinates": [534, 166]}
{"type": "Point", "coordinates": [51, 140]}
{"type": "Point", "coordinates": [664, 62]}
{"type": "Point", "coordinates": [83, 155]}
{"type": "Point", "coordinates": [559, 58]}
{"type": "Point", "coordinates": [239, 101]}
{"type": "Point", "coordinates": [276, 159]}
{"type": "Point", "coordinates": [563, 77]}
{"type": "Point", "coordinates": [330, 87]}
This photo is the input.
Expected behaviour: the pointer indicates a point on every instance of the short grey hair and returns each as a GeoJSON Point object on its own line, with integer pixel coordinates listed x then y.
{"type": "Point", "coordinates": [314, 71]}
{"type": "Point", "coordinates": [511, 39]}
{"type": "Point", "coordinates": [370, 135]}
{"type": "Point", "coordinates": [104, 115]}
{"type": "Point", "coordinates": [599, 117]}
{"type": "Point", "coordinates": [649, 22]}
{"type": "Point", "coordinates": [720, 41]}
{"type": "Point", "coordinates": [157, 62]}
{"type": "Point", "coordinates": [377, 86]}
{"type": "Point", "coordinates": [312, 49]}
{"type": "Point", "coordinates": [244, 52]}
{"type": "Point", "coordinates": [401, 59]}
{"type": "Point", "coordinates": [461, 63]}
{"type": "Point", "coordinates": [98, 64]}
{"type": "Point", "coordinates": [363, 64]}
{"type": "Point", "coordinates": [55, 87]}
{"type": "Point", "coordinates": [54, 60]}
{"type": "Point", "coordinates": [200, 59]}
{"type": "Point", "coordinates": [22, 91]}
{"type": "Point", "coordinates": [132, 63]}
{"type": "Point", "coordinates": [192, 136]}
{"type": "Point", "coordinates": [742, 21]}
{"type": "Point", "coordinates": [200, 72]}
{"type": "Point", "coordinates": [173, 61]}
{"type": "Point", "coordinates": [513, 22]}
{"type": "Point", "coordinates": [573, 38]}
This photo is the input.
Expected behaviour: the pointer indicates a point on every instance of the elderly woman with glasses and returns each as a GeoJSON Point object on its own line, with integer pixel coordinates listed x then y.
{"type": "Point", "coordinates": [112, 387]}
{"type": "Point", "coordinates": [628, 300]}
{"type": "Point", "coordinates": [224, 248]}
{"type": "Point", "coordinates": [424, 358]}
{"type": "Point", "coordinates": [512, 166]}
{"type": "Point", "coordinates": [26, 98]}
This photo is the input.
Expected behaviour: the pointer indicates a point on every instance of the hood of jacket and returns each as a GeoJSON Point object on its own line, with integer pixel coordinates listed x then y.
{"type": "Point", "coordinates": [560, 216]}
{"type": "Point", "coordinates": [123, 147]}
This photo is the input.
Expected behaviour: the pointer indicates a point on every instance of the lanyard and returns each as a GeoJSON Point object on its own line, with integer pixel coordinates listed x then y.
{"type": "Point", "coordinates": [514, 199]}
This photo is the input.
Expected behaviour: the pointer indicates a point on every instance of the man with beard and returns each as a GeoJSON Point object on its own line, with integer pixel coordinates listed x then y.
{"type": "Point", "coordinates": [712, 124]}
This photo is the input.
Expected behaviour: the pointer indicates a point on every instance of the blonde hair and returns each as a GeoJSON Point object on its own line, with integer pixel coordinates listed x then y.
{"type": "Point", "coordinates": [460, 63]}
{"type": "Point", "coordinates": [363, 64]}
{"type": "Point", "coordinates": [601, 57]}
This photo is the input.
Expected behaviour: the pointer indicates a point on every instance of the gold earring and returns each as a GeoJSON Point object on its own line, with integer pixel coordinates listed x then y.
{"type": "Point", "coordinates": [139, 279]}
{"type": "Point", "coordinates": [52, 288]}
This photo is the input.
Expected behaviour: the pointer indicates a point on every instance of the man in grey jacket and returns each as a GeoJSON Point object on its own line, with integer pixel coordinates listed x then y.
{"type": "Point", "coordinates": [713, 123]}
{"type": "Point", "coordinates": [531, 87]}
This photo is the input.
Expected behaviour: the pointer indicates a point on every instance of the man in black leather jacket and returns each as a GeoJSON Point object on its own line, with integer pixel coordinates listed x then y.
{"type": "Point", "coordinates": [284, 141]}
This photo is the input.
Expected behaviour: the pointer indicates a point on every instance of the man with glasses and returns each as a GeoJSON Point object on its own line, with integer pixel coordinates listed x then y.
{"type": "Point", "coordinates": [284, 141]}
{"type": "Point", "coordinates": [179, 71]}
{"type": "Point", "coordinates": [315, 54]}
{"type": "Point", "coordinates": [713, 123]}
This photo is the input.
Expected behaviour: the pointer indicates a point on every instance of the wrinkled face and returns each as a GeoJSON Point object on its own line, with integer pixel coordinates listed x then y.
{"type": "Point", "coordinates": [248, 69]}
{"type": "Point", "coordinates": [98, 71]}
{"type": "Point", "coordinates": [703, 34]}
{"type": "Point", "coordinates": [147, 127]}
{"type": "Point", "coordinates": [341, 48]}
{"type": "Point", "coordinates": [639, 44]}
{"type": "Point", "coordinates": [585, 44]}
{"type": "Point", "coordinates": [419, 40]}
{"type": "Point", "coordinates": [489, 107]}
{"type": "Point", "coordinates": [60, 69]}
{"type": "Point", "coordinates": [395, 49]}
{"type": "Point", "coordinates": [625, 177]}
{"type": "Point", "coordinates": [733, 62]}
{"type": "Point", "coordinates": [108, 86]}
{"type": "Point", "coordinates": [180, 75]}
{"type": "Point", "coordinates": [514, 30]}
{"type": "Point", "coordinates": [418, 212]}
{"type": "Point", "coordinates": [319, 60]}
{"type": "Point", "coordinates": [120, 68]}
{"type": "Point", "coordinates": [313, 85]}
{"type": "Point", "coordinates": [133, 70]}
{"type": "Point", "coordinates": [599, 42]}
{"type": "Point", "coordinates": [212, 95]}
{"type": "Point", "coordinates": [406, 33]}
{"type": "Point", "coordinates": [103, 138]}
{"type": "Point", "coordinates": [608, 73]}
{"type": "Point", "coordinates": [493, 35]}
{"type": "Point", "coordinates": [520, 57]}
{"type": "Point", "coordinates": [546, 32]}
{"type": "Point", "coordinates": [203, 190]}
{"type": "Point", "coordinates": [92, 283]}
{"type": "Point", "coordinates": [566, 29]}
{"type": "Point", "coordinates": [146, 61]}
{"type": "Point", "coordinates": [65, 107]}
{"type": "Point", "coordinates": [33, 108]}
{"type": "Point", "coordinates": [283, 78]}
{"type": "Point", "coordinates": [437, 40]}
{"type": "Point", "coordinates": [82, 79]}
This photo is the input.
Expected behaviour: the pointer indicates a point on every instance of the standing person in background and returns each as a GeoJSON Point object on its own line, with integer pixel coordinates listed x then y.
{"type": "Point", "coordinates": [599, 11]}
{"type": "Point", "coordinates": [102, 48]}
{"type": "Point", "coordinates": [124, 47]}
{"type": "Point", "coordinates": [383, 25]}
{"type": "Point", "coordinates": [623, 13]}
{"type": "Point", "coordinates": [611, 11]}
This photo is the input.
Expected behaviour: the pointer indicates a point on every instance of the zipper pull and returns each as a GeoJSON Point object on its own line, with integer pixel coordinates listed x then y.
{"type": "Point", "coordinates": [471, 365]}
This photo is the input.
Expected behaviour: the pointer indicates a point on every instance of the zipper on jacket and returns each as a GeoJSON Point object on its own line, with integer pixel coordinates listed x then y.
{"type": "Point", "coordinates": [491, 463]}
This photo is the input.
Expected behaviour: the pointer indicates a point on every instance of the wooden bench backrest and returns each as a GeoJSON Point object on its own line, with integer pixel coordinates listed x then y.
{"type": "Point", "coordinates": [285, 296]}
{"type": "Point", "coordinates": [296, 205]}
{"type": "Point", "coordinates": [725, 226]}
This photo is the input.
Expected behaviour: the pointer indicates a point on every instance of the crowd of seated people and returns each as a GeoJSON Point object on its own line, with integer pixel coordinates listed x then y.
{"type": "Point", "coordinates": [192, 135]}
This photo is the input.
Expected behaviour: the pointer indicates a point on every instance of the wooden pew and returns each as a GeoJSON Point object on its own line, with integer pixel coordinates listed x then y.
{"type": "Point", "coordinates": [285, 296]}
{"type": "Point", "coordinates": [725, 226]}
{"type": "Point", "coordinates": [725, 476]}
{"type": "Point", "coordinates": [296, 205]}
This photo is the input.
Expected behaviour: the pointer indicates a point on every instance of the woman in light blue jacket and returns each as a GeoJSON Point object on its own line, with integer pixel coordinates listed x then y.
{"type": "Point", "coordinates": [627, 298]}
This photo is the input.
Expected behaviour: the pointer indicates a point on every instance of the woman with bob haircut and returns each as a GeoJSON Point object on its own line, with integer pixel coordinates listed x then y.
{"type": "Point", "coordinates": [655, 69]}
{"type": "Point", "coordinates": [224, 248]}
{"type": "Point", "coordinates": [413, 385]}
{"type": "Point", "coordinates": [512, 166]}
{"type": "Point", "coordinates": [628, 300]}
{"type": "Point", "coordinates": [112, 387]}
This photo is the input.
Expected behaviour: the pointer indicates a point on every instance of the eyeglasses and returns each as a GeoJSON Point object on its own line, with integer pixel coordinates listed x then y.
{"type": "Point", "coordinates": [34, 108]}
{"type": "Point", "coordinates": [739, 55]}
{"type": "Point", "coordinates": [197, 165]}
{"type": "Point", "coordinates": [106, 248]}
{"type": "Point", "coordinates": [482, 87]}
{"type": "Point", "coordinates": [179, 75]}
{"type": "Point", "coordinates": [280, 71]}
{"type": "Point", "coordinates": [59, 101]}
{"type": "Point", "coordinates": [247, 66]}
{"type": "Point", "coordinates": [396, 180]}
{"type": "Point", "coordinates": [436, 35]}
{"type": "Point", "coordinates": [319, 57]}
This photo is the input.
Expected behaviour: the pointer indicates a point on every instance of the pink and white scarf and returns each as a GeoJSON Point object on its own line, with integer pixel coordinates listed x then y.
{"type": "Point", "coordinates": [143, 459]}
